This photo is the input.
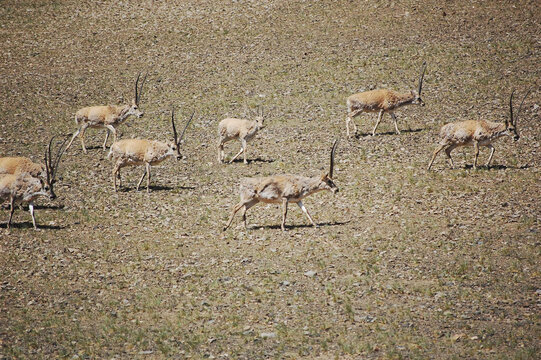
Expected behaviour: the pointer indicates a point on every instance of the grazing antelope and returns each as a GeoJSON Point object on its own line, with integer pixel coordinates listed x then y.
{"type": "Point", "coordinates": [476, 133]}
{"type": "Point", "coordinates": [132, 152]}
{"type": "Point", "coordinates": [282, 189]}
{"type": "Point", "coordinates": [21, 188]}
{"type": "Point", "coordinates": [382, 101]}
{"type": "Point", "coordinates": [241, 129]}
{"type": "Point", "coordinates": [108, 116]}
{"type": "Point", "coordinates": [46, 173]}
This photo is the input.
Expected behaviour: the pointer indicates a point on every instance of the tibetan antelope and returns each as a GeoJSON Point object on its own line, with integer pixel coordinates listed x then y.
{"type": "Point", "coordinates": [382, 101]}
{"type": "Point", "coordinates": [244, 130]}
{"type": "Point", "coordinates": [130, 152]}
{"type": "Point", "coordinates": [108, 116]}
{"type": "Point", "coordinates": [22, 188]}
{"type": "Point", "coordinates": [283, 189]}
{"type": "Point", "coordinates": [46, 173]}
{"type": "Point", "coordinates": [476, 133]}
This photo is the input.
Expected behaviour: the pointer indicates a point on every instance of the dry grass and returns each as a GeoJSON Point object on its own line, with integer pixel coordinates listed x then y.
{"type": "Point", "coordinates": [409, 264]}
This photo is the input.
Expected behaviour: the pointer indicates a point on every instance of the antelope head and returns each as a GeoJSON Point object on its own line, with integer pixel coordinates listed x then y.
{"type": "Point", "coordinates": [175, 146]}
{"type": "Point", "coordinates": [260, 118]}
{"type": "Point", "coordinates": [511, 124]}
{"type": "Point", "coordinates": [51, 166]}
{"type": "Point", "coordinates": [326, 180]}
{"type": "Point", "coordinates": [134, 108]}
{"type": "Point", "coordinates": [417, 95]}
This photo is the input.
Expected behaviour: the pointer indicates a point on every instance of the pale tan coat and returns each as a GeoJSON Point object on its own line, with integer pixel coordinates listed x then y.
{"type": "Point", "coordinates": [474, 133]}
{"type": "Point", "coordinates": [280, 189]}
{"type": "Point", "coordinates": [241, 129]}
{"type": "Point", "coordinates": [132, 152]}
{"type": "Point", "coordinates": [17, 165]}
{"type": "Point", "coordinates": [380, 101]}
{"type": "Point", "coordinates": [21, 188]}
{"type": "Point", "coordinates": [108, 117]}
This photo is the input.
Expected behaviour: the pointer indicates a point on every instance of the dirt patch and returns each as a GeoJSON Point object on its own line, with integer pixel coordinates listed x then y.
{"type": "Point", "coordinates": [407, 263]}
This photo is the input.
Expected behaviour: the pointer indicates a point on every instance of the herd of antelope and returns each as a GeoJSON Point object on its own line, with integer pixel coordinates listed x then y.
{"type": "Point", "coordinates": [23, 181]}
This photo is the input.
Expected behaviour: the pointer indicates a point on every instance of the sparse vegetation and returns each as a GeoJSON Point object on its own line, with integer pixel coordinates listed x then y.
{"type": "Point", "coordinates": [406, 263]}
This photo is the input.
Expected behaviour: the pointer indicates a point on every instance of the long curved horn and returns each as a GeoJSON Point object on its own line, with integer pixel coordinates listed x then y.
{"type": "Point", "coordinates": [141, 88]}
{"type": "Point", "coordinates": [333, 151]}
{"type": "Point", "coordinates": [510, 108]}
{"type": "Point", "coordinates": [175, 135]}
{"type": "Point", "coordinates": [47, 159]}
{"type": "Point", "coordinates": [59, 154]}
{"type": "Point", "coordinates": [421, 77]}
{"type": "Point", "coordinates": [185, 127]}
{"type": "Point", "coordinates": [520, 107]}
{"type": "Point", "coordinates": [136, 89]}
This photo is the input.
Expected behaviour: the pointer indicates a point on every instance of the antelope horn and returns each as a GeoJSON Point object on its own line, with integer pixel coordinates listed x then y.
{"type": "Point", "coordinates": [333, 151]}
{"type": "Point", "coordinates": [48, 161]}
{"type": "Point", "coordinates": [421, 77]}
{"type": "Point", "coordinates": [141, 88]}
{"type": "Point", "coordinates": [185, 127]}
{"type": "Point", "coordinates": [136, 89]}
{"type": "Point", "coordinates": [510, 107]}
{"type": "Point", "coordinates": [59, 154]}
{"type": "Point", "coordinates": [520, 107]}
{"type": "Point", "coordinates": [175, 135]}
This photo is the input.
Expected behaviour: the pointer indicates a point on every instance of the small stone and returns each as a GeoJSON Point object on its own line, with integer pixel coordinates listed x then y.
{"type": "Point", "coordinates": [310, 273]}
{"type": "Point", "coordinates": [268, 335]}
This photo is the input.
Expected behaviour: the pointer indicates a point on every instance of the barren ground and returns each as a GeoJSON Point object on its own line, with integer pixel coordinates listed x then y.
{"type": "Point", "coordinates": [406, 264]}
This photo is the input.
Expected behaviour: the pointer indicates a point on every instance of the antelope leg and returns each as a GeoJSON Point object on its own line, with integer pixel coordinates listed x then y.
{"type": "Point", "coordinates": [377, 122]}
{"type": "Point", "coordinates": [31, 209]}
{"type": "Point", "coordinates": [491, 154]}
{"type": "Point", "coordinates": [440, 148]}
{"type": "Point", "coordinates": [303, 208]}
{"type": "Point", "coordinates": [284, 214]}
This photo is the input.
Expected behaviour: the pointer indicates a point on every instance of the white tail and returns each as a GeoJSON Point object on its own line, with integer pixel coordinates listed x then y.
{"type": "Point", "coordinates": [108, 116]}
{"type": "Point", "coordinates": [283, 189]}
{"type": "Point", "coordinates": [131, 152]}
{"type": "Point", "coordinates": [476, 133]}
{"type": "Point", "coordinates": [21, 188]}
{"type": "Point", "coordinates": [382, 101]}
{"type": "Point", "coordinates": [241, 129]}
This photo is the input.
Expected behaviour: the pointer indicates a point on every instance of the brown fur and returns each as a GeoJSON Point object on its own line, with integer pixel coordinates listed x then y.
{"type": "Point", "coordinates": [474, 133]}
{"type": "Point", "coordinates": [132, 152]}
{"type": "Point", "coordinates": [20, 188]}
{"type": "Point", "coordinates": [241, 129]}
{"type": "Point", "coordinates": [17, 165]}
{"type": "Point", "coordinates": [380, 101]}
{"type": "Point", "coordinates": [108, 117]}
{"type": "Point", "coordinates": [280, 189]}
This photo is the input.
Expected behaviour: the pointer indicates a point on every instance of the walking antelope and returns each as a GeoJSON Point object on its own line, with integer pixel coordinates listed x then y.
{"type": "Point", "coordinates": [108, 116]}
{"type": "Point", "coordinates": [131, 152]}
{"type": "Point", "coordinates": [477, 133]}
{"type": "Point", "coordinates": [46, 173]}
{"type": "Point", "coordinates": [283, 189]}
{"type": "Point", "coordinates": [244, 130]}
{"type": "Point", "coordinates": [382, 101]}
{"type": "Point", "coordinates": [22, 188]}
